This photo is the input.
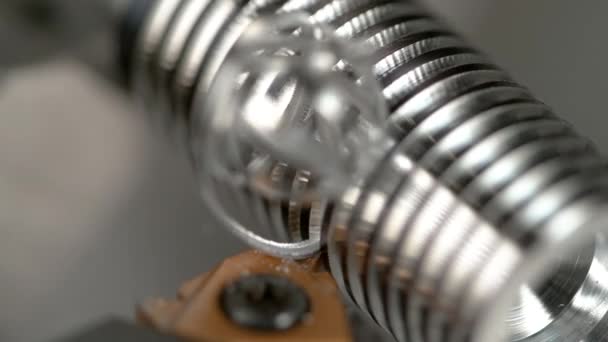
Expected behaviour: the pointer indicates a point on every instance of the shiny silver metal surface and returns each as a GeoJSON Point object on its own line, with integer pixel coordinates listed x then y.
{"type": "Point", "coordinates": [484, 223]}
{"type": "Point", "coordinates": [279, 104]}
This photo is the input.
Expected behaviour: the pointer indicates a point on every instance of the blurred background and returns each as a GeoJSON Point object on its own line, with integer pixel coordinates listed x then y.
{"type": "Point", "coordinates": [99, 211]}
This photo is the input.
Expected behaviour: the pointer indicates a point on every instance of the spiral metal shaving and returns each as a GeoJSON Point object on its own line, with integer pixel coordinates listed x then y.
{"type": "Point", "coordinates": [486, 190]}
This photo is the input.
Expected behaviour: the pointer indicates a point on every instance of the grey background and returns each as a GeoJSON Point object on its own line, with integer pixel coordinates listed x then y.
{"type": "Point", "coordinates": [98, 211]}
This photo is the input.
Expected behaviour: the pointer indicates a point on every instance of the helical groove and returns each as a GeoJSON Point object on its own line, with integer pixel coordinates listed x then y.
{"type": "Point", "coordinates": [488, 211]}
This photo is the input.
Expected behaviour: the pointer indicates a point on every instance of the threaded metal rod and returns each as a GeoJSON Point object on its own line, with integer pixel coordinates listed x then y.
{"type": "Point", "coordinates": [471, 222]}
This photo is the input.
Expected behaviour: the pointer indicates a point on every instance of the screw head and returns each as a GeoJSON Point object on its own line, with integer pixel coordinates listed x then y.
{"type": "Point", "coordinates": [265, 302]}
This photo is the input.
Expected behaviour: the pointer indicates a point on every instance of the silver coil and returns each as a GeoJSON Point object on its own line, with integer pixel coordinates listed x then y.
{"type": "Point", "coordinates": [484, 222]}
{"type": "Point", "coordinates": [293, 117]}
